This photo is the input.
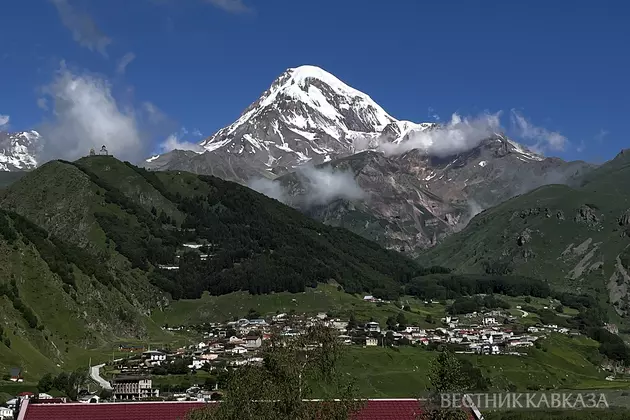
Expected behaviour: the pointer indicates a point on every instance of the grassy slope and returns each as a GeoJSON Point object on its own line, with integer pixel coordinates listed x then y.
{"type": "Point", "coordinates": [383, 372]}
{"type": "Point", "coordinates": [325, 298]}
{"type": "Point", "coordinates": [492, 237]}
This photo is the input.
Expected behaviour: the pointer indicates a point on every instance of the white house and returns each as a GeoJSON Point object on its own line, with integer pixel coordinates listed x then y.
{"type": "Point", "coordinates": [370, 342]}
{"type": "Point", "coordinates": [6, 413]}
{"type": "Point", "coordinates": [253, 342]}
{"type": "Point", "coordinates": [154, 357]}
{"type": "Point", "coordinates": [201, 345]}
{"type": "Point", "coordinates": [239, 350]}
{"type": "Point", "coordinates": [197, 363]}
{"type": "Point", "coordinates": [490, 321]}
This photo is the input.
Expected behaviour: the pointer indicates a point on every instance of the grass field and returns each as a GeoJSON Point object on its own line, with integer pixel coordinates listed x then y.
{"type": "Point", "coordinates": [402, 372]}
{"type": "Point", "coordinates": [325, 298]}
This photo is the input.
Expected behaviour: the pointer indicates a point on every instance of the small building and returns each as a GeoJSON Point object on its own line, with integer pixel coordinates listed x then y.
{"type": "Point", "coordinates": [490, 321]}
{"type": "Point", "coordinates": [154, 357]}
{"type": "Point", "coordinates": [6, 413]}
{"type": "Point", "coordinates": [130, 347]}
{"type": "Point", "coordinates": [371, 342]}
{"type": "Point", "coordinates": [372, 327]}
{"type": "Point", "coordinates": [197, 363]}
{"type": "Point", "coordinates": [134, 388]}
{"type": "Point", "coordinates": [238, 350]}
{"type": "Point", "coordinates": [253, 342]}
{"type": "Point", "coordinates": [16, 375]}
{"type": "Point", "coordinates": [257, 322]}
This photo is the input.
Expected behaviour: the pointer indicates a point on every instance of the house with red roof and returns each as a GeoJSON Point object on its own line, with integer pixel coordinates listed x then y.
{"type": "Point", "coordinates": [374, 409]}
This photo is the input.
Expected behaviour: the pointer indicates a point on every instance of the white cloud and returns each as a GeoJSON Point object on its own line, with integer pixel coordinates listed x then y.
{"type": "Point", "coordinates": [86, 115]}
{"type": "Point", "coordinates": [232, 6]}
{"type": "Point", "coordinates": [4, 120]}
{"type": "Point", "coordinates": [456, 136]}
{"type": "Point", "coordinates": [197, 133]}
{"type": "Point", "coordinates": [321, 185]}
{"type": "Point", "coordinates": [124, 61]}
{"type": "Point", "coordinates": [545, 140]}
{"type": "Point", "coordinates": [83, 27]}
{"type": "Point", "coordinates": [42, 103]}
{"type": "Point", "coordinates": [174, 142]}
{"type": "Point", "coordinates": [154, 114]}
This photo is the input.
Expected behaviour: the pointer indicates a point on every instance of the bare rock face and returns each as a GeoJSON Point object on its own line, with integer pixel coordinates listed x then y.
{"type": "Point", "coordinates": [624, 219]}
{"type": "Point", "coordinates": [524, 237]}
{"type": "Point", "coordinates": [586, 214]}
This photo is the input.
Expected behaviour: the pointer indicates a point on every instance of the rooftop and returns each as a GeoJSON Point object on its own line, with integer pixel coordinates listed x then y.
{"type": "Point", "coordinates": [379, 409]}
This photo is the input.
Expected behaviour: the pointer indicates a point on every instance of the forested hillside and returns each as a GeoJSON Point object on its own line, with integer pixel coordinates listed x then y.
{"type": "Point", "coordinates": [223, 236]}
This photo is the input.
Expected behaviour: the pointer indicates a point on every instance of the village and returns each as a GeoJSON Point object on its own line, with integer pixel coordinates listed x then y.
{"type": "Point", "coordinates": [237, 343]}
{"type": "Point", "coordinates": [227, 345]}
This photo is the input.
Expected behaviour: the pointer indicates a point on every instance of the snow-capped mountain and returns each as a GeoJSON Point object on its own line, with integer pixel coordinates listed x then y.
{"type": "Point", "coordinates": [411, 199]}
{"type": "Point", "coordinates": [306, 115]}
{"type": "Point", "coordinates": [18, 150]}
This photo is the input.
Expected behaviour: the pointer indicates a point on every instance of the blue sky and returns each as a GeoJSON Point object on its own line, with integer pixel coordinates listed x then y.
{"type": "Point", "coordinates": [562, 66]}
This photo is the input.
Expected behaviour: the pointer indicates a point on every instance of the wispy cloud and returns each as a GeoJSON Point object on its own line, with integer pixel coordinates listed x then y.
{"type": "Point", "coordinates": [321, 185]}
{"type": "Point", "coordinates": [196, 132]}
{"type": "Point", "coordinates": [154, 114]}
{"type": "Point", "coordinates": [432, 114]}
{"type": "Point", "coordinates": [175, 142]}
{"type": "Point", "coordinates": [457, 135]}
{"type": "Point", "coordinates": [84, 29]}
{"type": "Point", "coordinates": [545, 140]}
{"type": "Point", "coordinates": [86, 115]}
{"type": "Point", "coordinates": [124, 61]}
{"type": "Point", "coordinates": [231, 6]}
{"type": "Point", "coordinates": [4, 120]}
{"type": "Point", "coordinates": [42, 103]}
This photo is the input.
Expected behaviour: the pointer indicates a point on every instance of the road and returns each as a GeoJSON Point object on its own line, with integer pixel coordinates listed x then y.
{"type": "Point", "coordinates": [525, 313]}
{"type": "Point", "coordinates": [96, 375]}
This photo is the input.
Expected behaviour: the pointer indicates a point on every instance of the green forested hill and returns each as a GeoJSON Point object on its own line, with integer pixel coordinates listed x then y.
{"type": "Point", "coordinates": [85, 245]}
{"type": "Point", "coordinates": [53, 304]}
{"type": "Point", "coordinates": [576, 238]}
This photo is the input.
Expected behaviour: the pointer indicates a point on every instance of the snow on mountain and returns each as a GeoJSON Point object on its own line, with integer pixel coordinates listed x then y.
{"type": "Point", "coordinates": [307, 114]}
{"type": "Point", "coordinates": [18, 150]}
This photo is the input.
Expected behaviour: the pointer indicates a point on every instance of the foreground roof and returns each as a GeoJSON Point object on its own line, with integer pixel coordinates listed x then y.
{"type": "Point", "coordinates": [385, 409]}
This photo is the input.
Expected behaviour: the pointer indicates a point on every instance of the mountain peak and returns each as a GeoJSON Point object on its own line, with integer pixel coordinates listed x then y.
{"type": "Point", "coordinates": [18, 150]}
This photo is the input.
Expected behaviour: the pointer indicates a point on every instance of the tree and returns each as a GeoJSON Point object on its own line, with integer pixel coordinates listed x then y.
{"type": "Point", "coordinates": [280, 388]}
{"type": "Point", "coordinates": [401, 320]}
{"type": "Point", "coordinates": [446, 377]}
{"type": "Point", "coordinates": [45, 384]}
{"type": "Point", "coordinates": [352, 323]}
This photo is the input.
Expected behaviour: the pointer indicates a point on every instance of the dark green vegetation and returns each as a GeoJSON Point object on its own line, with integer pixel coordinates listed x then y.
{"type": "Point", "coordinates": [8, 178]}
{"type": "Point", "coordinates": [577, 239]}
{"type": "Point", "coordinates": [81, 244]}
{"type": "Point", "coordinates": [281, 387]}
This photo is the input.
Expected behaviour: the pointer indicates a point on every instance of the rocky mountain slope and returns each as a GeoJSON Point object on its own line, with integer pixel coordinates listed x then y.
{"type": "Point", "coordinates": [90, 249]}
{"type": "Point", "coordinates": [411, 201]}
{"type": "Point", "coordinates": [18, 150]}
{"type": "Point", "coordinates": [577, 238]}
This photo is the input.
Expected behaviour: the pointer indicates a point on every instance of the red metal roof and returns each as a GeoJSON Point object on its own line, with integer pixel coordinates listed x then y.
{"type": "Point", "coordinates": [394, 409]}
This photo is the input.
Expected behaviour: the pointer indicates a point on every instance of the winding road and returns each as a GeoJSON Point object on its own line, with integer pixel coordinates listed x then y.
{"type": "Point", "coordinates": [96, 375]}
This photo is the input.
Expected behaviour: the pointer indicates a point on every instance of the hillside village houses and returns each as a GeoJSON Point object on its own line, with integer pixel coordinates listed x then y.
{"type": "Point", "coordinates": [237, 343]}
